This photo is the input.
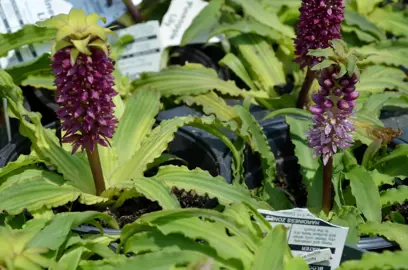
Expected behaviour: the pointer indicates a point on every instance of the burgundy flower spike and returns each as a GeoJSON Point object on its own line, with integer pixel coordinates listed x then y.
{"type": "Point", "coordinates": [319, 22]}
{"type": "Point", "coordinates": [84, 94]}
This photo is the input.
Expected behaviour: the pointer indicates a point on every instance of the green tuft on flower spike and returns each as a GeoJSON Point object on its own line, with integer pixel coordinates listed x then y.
{"type": "Point", "coordinates": [78, 30]}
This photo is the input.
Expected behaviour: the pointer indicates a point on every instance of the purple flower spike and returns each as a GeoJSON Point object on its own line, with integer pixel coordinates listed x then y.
{"type": "Point", "coordinates": [332, 127]}
{"type": "Point", "coordinates": [84, 94]}
{"type": "Point", "coordinates": [319, 22]}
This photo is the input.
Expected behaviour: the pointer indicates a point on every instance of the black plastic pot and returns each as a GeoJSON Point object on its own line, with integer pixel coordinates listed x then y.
{"type": "Point", "coordinates": [13, 127]}
{"type": "Point", "coordinates": [207, 56]}
{"type": "Point", "coordinates": [42, 101]}
{"type": "Point", "coordinates": [395, 118]}
{"type": "Point", "coordinates": [217, 147]}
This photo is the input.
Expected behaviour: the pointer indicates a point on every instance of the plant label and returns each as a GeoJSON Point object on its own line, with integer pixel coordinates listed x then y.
{"type": "Point", "coordinates": [143, 54]}
{"type": "Point", "coordinates": [178, 18]}
{"type": "Point", "coordinates": [14, 14]}
{"type": "Point", "coordinates": [310, 237]}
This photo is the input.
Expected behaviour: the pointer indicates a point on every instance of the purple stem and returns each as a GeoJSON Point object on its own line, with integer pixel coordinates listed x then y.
{"type": "Point", "coordinates": [327, 185]}
{"type": "Point", "coordinates": [303, 97]}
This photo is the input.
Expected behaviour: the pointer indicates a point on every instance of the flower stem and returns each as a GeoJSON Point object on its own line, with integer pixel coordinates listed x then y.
{"type": "Point", "coordinates": [134, 11]}
{"type": "Point", "coordinates": [303, 97]}
{"type": "Point", "coordinates": [327, 185]}
{"type": "Point", "coordinates": [96, 168]}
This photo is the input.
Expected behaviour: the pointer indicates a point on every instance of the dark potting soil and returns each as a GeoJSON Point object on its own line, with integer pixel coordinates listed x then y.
{"type": "Point", "coordinates": [134, 208]}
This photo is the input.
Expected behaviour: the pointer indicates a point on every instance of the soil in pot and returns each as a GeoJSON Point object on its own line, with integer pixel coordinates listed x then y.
{"type": "Point", "coordinates": [134, 208]}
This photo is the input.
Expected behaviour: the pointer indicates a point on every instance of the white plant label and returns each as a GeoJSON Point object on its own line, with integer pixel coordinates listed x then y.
{"type": "Point", "coordinates": [14, 14]}
{"type": "Point", "coordinates": [178, 18]}
{"type": "Point", "coordinates": [307, 233]}
{"type": "Point", "coordinates": [143, 54]}
{"type": "Point", "coordinates": [317, 256]}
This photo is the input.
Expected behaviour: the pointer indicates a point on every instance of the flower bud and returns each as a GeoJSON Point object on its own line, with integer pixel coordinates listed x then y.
{"type": "Point", "coordinates": [342, 104]}
{"type": "Point", "coordinates": [328, 104]}
{"type": "Point", "coordinates": [348, 90]}
{"type": "Point", "coordinates": [328, 83]}
{"type": "Point", "coordinates": [352, 104]}
{"type": "Point", "coordinates": [337, 92]}
{"type": "Point", "coordinates": [323, 91]}
{"type": "Point", "coordinates": [318, 99]}
{"type": "Point", "coordinates": [344, 82]}
{"type": "Point", "coordinates": [351, 96]}
{"type": "Point", "coordinates": [316, 109]}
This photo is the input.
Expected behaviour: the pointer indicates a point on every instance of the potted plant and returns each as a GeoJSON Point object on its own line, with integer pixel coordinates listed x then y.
{"type": "Point", "coordinates": [107, 176]}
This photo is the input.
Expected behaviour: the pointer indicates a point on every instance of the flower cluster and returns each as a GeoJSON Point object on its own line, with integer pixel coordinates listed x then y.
{"type": "Point", "coordinates": [83, 77]}
{"type": "Point", "coordinates": [84, 94]}
{"type": "Point", "coordinates": [319, 22]}
{"type": "Point", "coordinates": [334, 104]}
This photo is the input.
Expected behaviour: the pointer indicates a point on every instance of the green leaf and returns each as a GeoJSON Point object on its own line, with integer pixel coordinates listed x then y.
{"type": "Point", "coordinates": [15, 252]}
{"type": "Point", "coordinates": [400, 150]}
{"type": "Point", "coordinates": [136, 123]}
{"type": "Point", "coordinates": [22, 161]}
{"type": "Point", "coordinates": [390, 20]}
{"type": "Point", "coordinates": [154, 240]}
{"type": "Point", "coordinates": [56, 232]}
{"type": "Point", "coordinates": [353, 18]}
{"type": "Point", "coordinates": [370, 153]}
{"type": "Point", "coordinates": [29, 34]}
{"type": "Point", "coordinates": [207, 225]}
{"type": "Point", "coordinates": [349, 216]}
{"type": "Point", "coordinates": [258, 13]}
{"type": "Point", "coordinates": [252, 131]}
{"type": "Point", "coordinates": [203, 22]}
{"type": "Point", "coordinates": [119, 46]}
{"type": "Point", "coordinates": [152, 188]}
{"type": "Point", "coordinates": [381, 178]}
{"type": "Point", "coordinates": [273, 247]}
{"type": "Point", "coordinates": [361, 35]}
{"type": "Point", "coordinates": [366, 6]}
{"type": "Point", "coordinates": [249, 27]}
{"type": "Point", "coordinates": [324, 64]}
{"type": "Point", "coordinates": [70, 259]}
{"type": "Point", "coordinates": [296, 263]}
{"type": "Point", "coordinates": [278, 4]}
{"type": "Point", "coordinates": [204, 184]}
{"type": "Point", "coordinates": [310, 167]}
{"type": "Point", "coordinates": [34, 189]}
{"type": "Point", "coordinates": [211, 103]}
{"type": "Point", "coordinates": [44, 142]}
{"type": "Point", "coordinates": [39, 65]}
{"type": "Point", "coordinates": [352, 65]}
{"type": "Point", "coordinates": [394, 196]}
{"type": "Point", "coordinates": [191, 79]}
{"type": "Point", "coordinates": [373, 261]}
{"type": "Point", "coordinates": [391, 231]}
{"type": "Point", "coordinates": [292, 111]}
{"type": "Point", "coordinates": [366, 192]}
{"type": "Point", "coordinates": [157, 141]}
{"type": "Point", "coordinates": [326, 52]}
{"type": "Point", "coordinates": [258, 56]}
{"type": "Point", "coordinates": [235, 64]}
{"type": "Point", "coordinates": [164, 259]}
{"type": "Point", "coordinates": [376, 79]}
{"type": "Point", "coordinates": [389, 52]}
{"type": "Point", "coordinates": [40, 80]}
